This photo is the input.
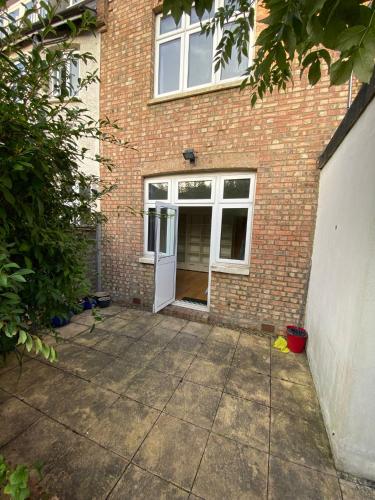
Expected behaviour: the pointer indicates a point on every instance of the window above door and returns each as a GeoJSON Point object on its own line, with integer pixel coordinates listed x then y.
{"type": "Point", "coordinates": [184, 56]}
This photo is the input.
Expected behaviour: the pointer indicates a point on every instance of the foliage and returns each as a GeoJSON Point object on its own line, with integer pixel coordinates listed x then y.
{"type": "Point", "coordinates": [339, 34]}
{"type": "Point", "coordinates": [44, 193]}
{"type": "Point", "coordinates": [17, 482]}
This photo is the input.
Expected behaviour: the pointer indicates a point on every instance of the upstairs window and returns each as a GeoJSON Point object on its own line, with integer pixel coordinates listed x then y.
{"type": "Point", "coordinates": [65, 80]}
{"type": "Point", "coordinates": [184, 56]}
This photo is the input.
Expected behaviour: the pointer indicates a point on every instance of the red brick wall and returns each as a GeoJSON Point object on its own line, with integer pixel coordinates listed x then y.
{"type": "Point", "coordinates": [280, 140]}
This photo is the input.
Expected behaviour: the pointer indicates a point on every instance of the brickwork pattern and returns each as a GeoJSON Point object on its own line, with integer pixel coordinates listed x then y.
{"type": "Point", "coordinates": [280, 140]}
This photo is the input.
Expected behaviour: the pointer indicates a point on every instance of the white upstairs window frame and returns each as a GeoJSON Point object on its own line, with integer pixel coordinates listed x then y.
{"type": "Point", "coordinates": [183, 33]}
{"type": "Point", "coordinates": [217, 202]}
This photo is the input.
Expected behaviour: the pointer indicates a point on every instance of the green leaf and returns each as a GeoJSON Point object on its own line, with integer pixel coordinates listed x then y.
{"type": "Point", "coordinates": [314, 73]}
{"type": "Point", "coordinates": [350, 38]}
{"type": "Point", "coordinates": [341, 71]}
{"type": "Point", "coordinates": [22, 337]}
{"type": "Point", "coordinates": [363, 65]}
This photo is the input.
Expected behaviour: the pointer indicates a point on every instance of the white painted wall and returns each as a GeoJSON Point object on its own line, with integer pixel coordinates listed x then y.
{"type": "Point", "coordinates": [340, 313]}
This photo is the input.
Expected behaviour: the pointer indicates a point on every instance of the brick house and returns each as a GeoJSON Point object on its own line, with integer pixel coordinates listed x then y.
{"type": "Point", "coordinates": [246, 205]}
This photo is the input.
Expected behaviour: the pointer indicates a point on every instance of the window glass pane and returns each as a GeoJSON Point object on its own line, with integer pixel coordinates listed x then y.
{"type": "Point", "coordinates": [231, 2]}
{"type": "Point", "coordinates": [14, 15]}
{"type": "Point", "coordinates": [168, 24]}
{"type": "Point", "coordinates": [73, 76]}
{"type": "Point", "coordinates": [195, 19]}
{"type": "Point", "coordinates": [232, 68]}
{"type": "Point", "coordinates": [233, 233]}
{"type": "Point", "coordinates": [190, 190]}
{"type": "Point", "coordinates": [151, 230]}
{"type": "Point", "coordinates": [236, 188]}
{"type": "Point", "coordinates": [158, 191]}
{"type": "Point", "coordinates": [169, 66]}
{"type": "Point", "coordinates": [200, 59]}
{"type": "Point", "coordinates": [167, 231]}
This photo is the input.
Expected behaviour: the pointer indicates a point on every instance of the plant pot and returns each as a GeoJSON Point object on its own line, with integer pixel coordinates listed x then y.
{"type": "Point", "coordinates": [297, 338]}
{"type": "Point", "coordinates": [88, 303]}
{"type": "Point", "coordinates": [103, 299]}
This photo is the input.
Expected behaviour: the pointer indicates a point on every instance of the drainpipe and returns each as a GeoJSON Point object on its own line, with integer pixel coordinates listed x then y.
{"type": "Point", "coordinates": [350, 91]}
{"type": "Point", "coordinates": [98, 258]}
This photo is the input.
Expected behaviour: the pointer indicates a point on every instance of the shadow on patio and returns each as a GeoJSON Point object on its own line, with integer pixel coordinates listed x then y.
{"type": "Point", "coordinates": [150, 406]}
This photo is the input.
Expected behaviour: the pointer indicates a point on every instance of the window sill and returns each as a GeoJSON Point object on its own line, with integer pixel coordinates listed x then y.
{"type": "Point", "coordinates": [231, 269]}
{"type": "Point", "coordinates": [243, 270]}
{"type": "Point", "coordinates": [146, 260]}
{"type": "Point", "coordinates": [190, 93]}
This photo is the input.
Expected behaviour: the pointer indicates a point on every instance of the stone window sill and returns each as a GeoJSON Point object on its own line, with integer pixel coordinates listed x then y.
{"type": "Point", "coordinates": [191, 93]}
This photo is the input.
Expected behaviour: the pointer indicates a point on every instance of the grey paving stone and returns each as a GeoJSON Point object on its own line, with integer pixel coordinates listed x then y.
{"type": "Point", "coordinates": [289, 481]}
{"type": "Point", "coordinates": [152, 387]}
{"type": "Point", "coordinates": [81, 360]}
{"type": "Point", "coordinates": [117, 376]}
{"type": "Point", "coordinates": [114, 344]}
{"type": "Point", "coordinates": [253, 353]}
{"type": "Point", "coordinates": [131, 314]}
{"type": "Point", "coordinates": [244, 421]}
{"type": "Point", "coordinates": [138, 484]}
{"type": "Point", "coordinates": [225, 335]}
{"type": "Point", "coordinates": [216, 351]}
{"type": "Point", "coordinates": [296, 399]}
{"type": "Point", "coordinates": [91, 338]}
{"type": "Point", "coordinates": [123, 426]}
{"type": "Point", "coordinates": [115, 324]}
{"type": "Point", "coordinates": [249, 385]}
{"type": "Point", "coordinates": [70, 400]}
{"type": "Point", "coordinates": [32, 373]}
{"type": "Point", "coordinates": [171, 323]}
{"type": "Point", "coordinates": [140, 352]}
{"type": "Point", "coordinates": [85, 318]}
{"type": "Point", "coordinates": [159, 336]}
{"type": "Point", "coordinates": [15, 417]}
{"type": "Point", "coordinates": [201, 330]}
{"type": "Point", "coordinates": [186, 343]}
{"type": "Point", "coordinates": [174, 363]}
{"type": "Point", "coordinates": [207, 373]}
{"type": "Point", "coordinates": [71, 330]}
{"type": "Point", "coordinates": [291, 367]}
{"type": "Point", "coordinates": [354, 491]}
{"type": "Point", "coordinates": [173, 450]}
{"type": "Point", "coordinates": [194, 403]}
{"type": "Point", "coordinates": [300, 441]}
{"type": "Point", "coordinates": [231, 470]}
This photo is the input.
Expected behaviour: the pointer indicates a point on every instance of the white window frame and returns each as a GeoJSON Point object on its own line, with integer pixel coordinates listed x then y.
{"type": "Point", "coordinates": [56, 91]}
{"type": "Point", "coordinates": [217, 203]}
{"type": "Point", "coordinates": [184, 33]}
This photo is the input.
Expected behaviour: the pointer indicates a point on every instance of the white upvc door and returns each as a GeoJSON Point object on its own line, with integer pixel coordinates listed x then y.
{"type": "Point", "coordinates": [166, 227]}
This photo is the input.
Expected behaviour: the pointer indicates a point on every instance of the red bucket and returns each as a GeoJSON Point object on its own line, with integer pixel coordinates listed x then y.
{"type": "Point", "coordinates": [296, 338]}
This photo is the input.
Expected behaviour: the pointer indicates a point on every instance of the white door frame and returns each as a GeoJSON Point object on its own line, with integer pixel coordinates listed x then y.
{"type": "Point", "coordinates": [165, 266]}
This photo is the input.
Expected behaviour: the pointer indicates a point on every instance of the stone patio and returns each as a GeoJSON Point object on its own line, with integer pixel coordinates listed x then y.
{"type": "Point", "coordinates": [150, 406]}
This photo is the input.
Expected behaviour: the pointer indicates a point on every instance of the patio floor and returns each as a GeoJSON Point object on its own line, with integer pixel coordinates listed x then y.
{"type": "Point", "coordinates": [150, 406]}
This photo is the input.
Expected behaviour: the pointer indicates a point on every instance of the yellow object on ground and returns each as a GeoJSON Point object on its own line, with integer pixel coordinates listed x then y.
{"type": "Point", "coordinates": [281, 344]}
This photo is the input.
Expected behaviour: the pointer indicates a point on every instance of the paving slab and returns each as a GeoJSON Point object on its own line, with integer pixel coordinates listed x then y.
{"type": "Point", "coordinates": [71, 330]}
{"type": "Point", "coordinates": [159, 335]}
{"type": "Point", "coordinates": [225, 335]}
{"type": "Point", "coordinates": [85, 318]}
{"type": "Point", "coordinates": [249, 385]}
{"type": "Point", "coordinates": [253, 353]}
{"type": "Point", "coordinates": [201, 330]}
{"type": "Point", "coordinates": [115, 323]}
{"type": "Point", "coordinates": [244, 421]}
{"type": "Point", "coordinates": [291, 367]}
{"type": "Point", "coordinates": [140, 352]}
{"type": "Point", "coordinates": [90, 337]}
{"type": "Point", "coordinates": [84, 471]}
{"type": "Point", "coordinates": [34, 372]}
{"type": "Point", "coordinates": [131, 314]}
{"type": "Point", "coordinates": [11, 361]}
{"type": "Point", "coordinates": [4, 396]}
{"type": "Point", "coordinates": [174, 363]}
{"type": "Point", "coordinates": [138, 484]}
{"type": "Point", "coordinates": [231, 470]}
{"type": "Point", "coordinates": [123, 426]}
{"type": "Point", "coordinates": [173, 450]}
{"type": "Point", "coordinates": [194, 403]}
{"type": "Point", "coordinates": [289, 481]}
{"type": "Point", "coordinates": [15, 417]}
{"type": "Point", "coordinates": [216, 351]}
{"type": "Point", "coordinates": [117, 376]}
{"type": "Point", "coordinates": [171, 323]}
{"type": "Point", "coordinates": [186, 343]}
{"type": "Point", "coordinates": [207, 373]}
{"type": "Point", "coordinates": [152, 387]}
{"type": "Point", "coordinates": [355, 491]}
{"type": "Point", "coordinates": [82, 361]}
{"type": "Point", "coordinates": [300, 441]}
{"type": "Point", "coordinates": [113, 344]}
{"type": "Point", "coordinates": [296, 399]}
{"type": "Point", "coordinates": [70, 400]}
